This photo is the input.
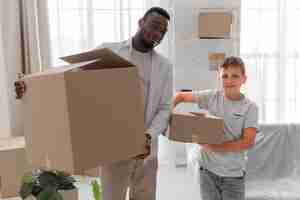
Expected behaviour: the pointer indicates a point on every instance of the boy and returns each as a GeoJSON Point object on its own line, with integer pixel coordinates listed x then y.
{"type": "Point", "coordinates": [222, 166]}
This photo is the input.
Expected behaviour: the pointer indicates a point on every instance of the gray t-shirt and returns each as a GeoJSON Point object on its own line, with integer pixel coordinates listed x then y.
{"type": "Point", "coordinates": [237, 115]}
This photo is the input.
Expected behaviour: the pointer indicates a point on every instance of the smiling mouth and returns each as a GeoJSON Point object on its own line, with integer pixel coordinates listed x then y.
{"type": "Point", "coordinates": [230, 86]}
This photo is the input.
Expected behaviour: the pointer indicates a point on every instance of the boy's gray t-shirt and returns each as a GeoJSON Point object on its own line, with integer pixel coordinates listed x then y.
{"type": "Point", "coordinates": [237, 115]}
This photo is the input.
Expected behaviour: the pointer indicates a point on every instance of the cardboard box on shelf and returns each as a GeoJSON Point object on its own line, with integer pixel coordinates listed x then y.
{"type": "Point", "coordinates": [215, 60]}
{"type": "Point", "coordinates": [215, 25]}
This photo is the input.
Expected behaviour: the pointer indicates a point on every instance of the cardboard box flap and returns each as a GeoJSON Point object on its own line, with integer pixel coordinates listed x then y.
{"type": "Point", "coordinates": [212, 116]}
{"type": "Point", "coordinates": [183, 113]}
{"type": "Point", "coordinates": [190, 114]}
{"type": "Point", "coordinates": [12, 143]}
{"type": "Point", "coordinates": [205, 115]}
{"type": "Point", "coordinates": [105, 58]}
{"type": "Point", "coordinates": [198, 114]}
{"type": "Point", "coordinates": [60, 69]}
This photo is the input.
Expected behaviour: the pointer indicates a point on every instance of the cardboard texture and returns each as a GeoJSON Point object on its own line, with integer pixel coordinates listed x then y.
{"type": "Point", "coordinates": [13, 166]}
{"type": "Point", "coordinates": [215, 60]}
{"type": "Point", "coordinates": [84, 115]}
{"type": "Point", "coordinates": [196, 128]}
{"type": "Point", "coordinates": [214, 25]}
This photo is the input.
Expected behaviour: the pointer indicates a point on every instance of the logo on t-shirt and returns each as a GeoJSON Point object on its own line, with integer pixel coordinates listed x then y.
{"type": "Point", "coordinates": [238, 115]}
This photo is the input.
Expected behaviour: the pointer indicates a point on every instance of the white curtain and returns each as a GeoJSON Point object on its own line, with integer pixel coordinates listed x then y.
{"type": "Point", "coordinates": [35, 35]}
{"type": "Point", "coordinates": [77, 25]}
{"type": "Point", "coordinates": [4, 104]}
{"type": "Point", "coordinates": [270, 46]}
{"type": "Point", "coordinates": [24, 47]}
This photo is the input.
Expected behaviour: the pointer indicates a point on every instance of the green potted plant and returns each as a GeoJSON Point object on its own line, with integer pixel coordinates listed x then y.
{"type": "Point", "coordinates": [48, 185]}
{"type": "Point", "coordinates": [96, 190]}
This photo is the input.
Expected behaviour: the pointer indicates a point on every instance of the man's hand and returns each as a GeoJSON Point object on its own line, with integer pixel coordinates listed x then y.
{"type": "Point", "coordinates": [20, 87]}
{"type": "Point", "coordinates": [147, 148]}
{"type": "Point", "coordinates": [206, 147]}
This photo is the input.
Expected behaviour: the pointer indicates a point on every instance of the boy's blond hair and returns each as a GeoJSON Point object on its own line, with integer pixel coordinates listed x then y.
{"type": "Point", "coordinates": [234, 61]}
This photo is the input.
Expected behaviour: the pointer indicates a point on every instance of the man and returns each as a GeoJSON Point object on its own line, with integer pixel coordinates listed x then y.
{"type": "Point", "coordinates": [156, 75]}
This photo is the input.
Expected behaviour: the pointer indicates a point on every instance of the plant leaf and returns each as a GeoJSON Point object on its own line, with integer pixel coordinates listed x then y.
{"type": "Point", "coordinates": [27, 178]}
{"type": "Point", "coordinates": [47, 179]}
{"type": "Point", "coordinates": [96, 190]}
{"type": "Point", "coordinates": [49, 194]}
{"type": "Point", "coordinates": [26, 190]}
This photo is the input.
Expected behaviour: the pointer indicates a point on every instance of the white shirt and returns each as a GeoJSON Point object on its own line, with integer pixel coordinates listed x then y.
{"type": "Point", "coordinates": [143, 61]}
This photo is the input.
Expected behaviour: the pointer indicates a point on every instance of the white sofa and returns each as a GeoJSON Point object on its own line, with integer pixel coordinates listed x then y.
{"type": "Point", "coordinates": [273, 169]}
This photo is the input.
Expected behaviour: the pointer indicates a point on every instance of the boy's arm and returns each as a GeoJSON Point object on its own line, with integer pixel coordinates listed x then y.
{"type": "Point", "coordinates": [180, 97]}
{"type": "Point", "coordinates": [244, 143]}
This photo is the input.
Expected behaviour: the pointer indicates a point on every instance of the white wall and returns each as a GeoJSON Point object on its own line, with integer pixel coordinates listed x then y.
{"type": "Point", "coordinates": [191, 66]}
{"type": "Point", "coordinates": [9, 19]}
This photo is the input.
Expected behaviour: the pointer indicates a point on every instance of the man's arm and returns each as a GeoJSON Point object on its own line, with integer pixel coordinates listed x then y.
{"type": "Point", "coordinates": [246, 142]}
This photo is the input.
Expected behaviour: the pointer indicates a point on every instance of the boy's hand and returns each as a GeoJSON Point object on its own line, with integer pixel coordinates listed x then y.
{"type": "Point", "coordinates": [213, 148]}
{"type": "Point", "coordinates": [205, 147]}
{"type": "Point", "coordinates": [147, 148]}
{"type": "Point", "coordinates": [20, 87]}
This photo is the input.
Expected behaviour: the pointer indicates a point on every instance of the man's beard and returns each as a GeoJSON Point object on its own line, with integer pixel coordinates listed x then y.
{"type": "Point", "coordinates": [148, 44]}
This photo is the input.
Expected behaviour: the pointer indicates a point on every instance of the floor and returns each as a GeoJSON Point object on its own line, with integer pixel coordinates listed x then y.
{"type": "Point", "coordinates": [174, 183]}
{"type": "Point", "coordinates": [170, 178]}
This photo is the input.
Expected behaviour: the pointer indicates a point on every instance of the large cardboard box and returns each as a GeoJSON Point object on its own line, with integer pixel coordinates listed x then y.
{"type": "Point", "coordinates": [196, 128]}
{"type": "Point", "coordinates": [85, 114]}
{"type": "Point", "coordinates": [215, 25]}
{"type": "Point", "coordinates": [13, 165]}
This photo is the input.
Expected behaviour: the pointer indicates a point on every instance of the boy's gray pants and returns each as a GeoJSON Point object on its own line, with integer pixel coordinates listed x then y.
{"type": "Point", "coordinates": [214, 187]}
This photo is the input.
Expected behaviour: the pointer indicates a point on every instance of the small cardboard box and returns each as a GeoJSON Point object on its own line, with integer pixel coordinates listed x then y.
{"type": "Point", "coordinates": [13, 165]}
{"type": "Point", "coordinates": [215, 60]}
{"type": "Point", "coordinates": [196, 128]}
{"type": "Point", "coordinates": [214, 25]}
{"type": "Point", "coordinates": [84, 115]}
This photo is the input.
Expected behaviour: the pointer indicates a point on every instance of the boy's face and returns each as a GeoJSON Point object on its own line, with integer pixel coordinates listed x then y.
{"type": "Point", "coordinates": [232, 79]}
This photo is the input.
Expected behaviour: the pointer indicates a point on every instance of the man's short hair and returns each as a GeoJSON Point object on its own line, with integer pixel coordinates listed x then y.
{"type": "Point", "coordinates": [158, 10]}
{"type": "Point", "coordinates": [233, 61]}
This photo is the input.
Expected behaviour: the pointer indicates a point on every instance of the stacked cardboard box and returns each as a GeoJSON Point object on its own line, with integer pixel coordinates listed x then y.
{"type": "Point", "coordinates": [13, 165]}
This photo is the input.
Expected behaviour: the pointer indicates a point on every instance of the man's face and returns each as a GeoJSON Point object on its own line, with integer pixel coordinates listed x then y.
{"type": "Point", "coordinates": [232, 79]}
{"type": "Point", "coordinates": [152, 29]}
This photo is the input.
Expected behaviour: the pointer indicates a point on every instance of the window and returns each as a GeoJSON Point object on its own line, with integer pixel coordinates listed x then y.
{"type": "Point", "coordinates": [77, 25]}
{"type": "Point", "coordinates": [269, 46]}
